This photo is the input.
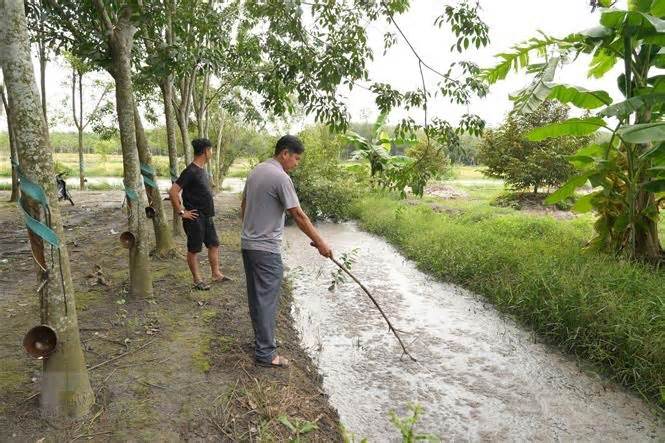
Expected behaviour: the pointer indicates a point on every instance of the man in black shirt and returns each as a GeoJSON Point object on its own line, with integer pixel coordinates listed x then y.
{"type": "Point", "coordinates": [197, 215]}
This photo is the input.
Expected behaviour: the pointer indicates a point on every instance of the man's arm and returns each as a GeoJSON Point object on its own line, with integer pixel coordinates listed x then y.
{"type": "Point", "coordinates": [242, 207]}
{"type": "Point", "coordinates": [174, 195]}
{"type": "Point", "coordinates": [306, 226]}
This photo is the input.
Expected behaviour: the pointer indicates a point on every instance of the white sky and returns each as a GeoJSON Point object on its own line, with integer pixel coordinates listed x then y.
{"type": "Point", "coordinates": [510, 22]}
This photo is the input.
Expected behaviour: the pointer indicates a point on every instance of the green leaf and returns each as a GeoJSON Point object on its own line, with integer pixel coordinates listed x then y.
{"type": "Point", "coordinates": [638, 21]}
{"type": "Point", "coordinates": [643, 133]}
{"type": "Point", "coordinates": [655, 186]}
{"type": "Point", "coordinates": [632, 105]}
{"type": "Point", "coordinates": [580, 97]}
{"type": "Point", "coordinates": [308, 427]}
{"type": "Point", "coordinates": [658, 8]}
{"type": "Point", "coordinates": [597, 32]}
{"type": "Point", "coordinates": [655, 152]}
{"type": "Point", "coordinates": [659, 60]}
{"type": "Point", "coordinates": [378, 124]}
{"type": "Point", "coordinates": [659, 171]}
{"type": "Point", "coordinates": [530, 98]}
{"type": "Point", "coordinates": [283, 419]}
{"type": "Point", "coordinates": [567, 189]}
{"type": "Point", "coordinates": [592, 151]}
{"type": "Point", "coordinates": [571, 127]}
{"type": "Point", "coordinates": [601, 63]}
{"type": "Point", "coordinates": [584, 204]}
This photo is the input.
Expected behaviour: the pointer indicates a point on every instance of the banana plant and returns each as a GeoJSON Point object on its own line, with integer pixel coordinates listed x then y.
{"type": "Point", "coordinates": [394, 172]}
{"type": "Point", "coordinates": [375, 149]}
{"type": "Point", "coordinates": [627, 172]}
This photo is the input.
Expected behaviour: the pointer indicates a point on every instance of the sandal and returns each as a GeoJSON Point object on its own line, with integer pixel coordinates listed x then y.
{"type": "Point", "coordinates": [222, 280]}
{"type": "Point", "coordinates": [201, 286]}
{"type": "Point", "coordinates": [281, 363]}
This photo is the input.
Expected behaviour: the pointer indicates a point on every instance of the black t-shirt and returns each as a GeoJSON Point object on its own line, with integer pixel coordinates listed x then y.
{"type": "Point", "coordinates": [196, 193]}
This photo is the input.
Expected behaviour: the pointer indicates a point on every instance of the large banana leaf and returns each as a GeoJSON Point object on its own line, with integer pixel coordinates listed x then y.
{"type": "Point", "coordinates": [636, 21]}
{"type": "Point", "coordinates": [597, 32]}
{"type": "Point", "coordinates": [602, 62]}
{"type": "Point", "coordinates": [643, 133]}
{"type": "Point", "coordinates": [655, 186]}
{"type": "Point", "coordinates": [356, 139]}
{"type": "Point", "coordinates": [632, 105]}
{"type": "Point", "coordinates": [530, 98]}
{"type": "Point", "coordinates": [580, 97]}
{"type": "Point", "coordinates": [656, 154]}
{"type": "Point", "coordinates": [658, 8]}
{"type": "Point", "coordinates": [567, 189]}
{"type": "Point", "coordinates": [571, 127]}
{"type": "Point", "coordinates": [378, 125]}
{"type": "Point", "coordinates": [585, 203]}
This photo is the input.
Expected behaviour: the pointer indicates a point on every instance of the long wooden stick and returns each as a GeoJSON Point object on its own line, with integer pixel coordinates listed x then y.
{"type": "Point", "coordinates": [390, 326]}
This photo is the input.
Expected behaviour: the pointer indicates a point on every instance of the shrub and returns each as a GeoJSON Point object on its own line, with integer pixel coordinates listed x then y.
{"type": "Point", "coordinates": [433, 159]}
{"type": "Point", "coordinates": [326, 189]}
{"type": "Point", "coordinates": [524, 164]}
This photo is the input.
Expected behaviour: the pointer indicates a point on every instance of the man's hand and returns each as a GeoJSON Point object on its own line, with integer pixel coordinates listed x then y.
{"type": "Point", "coordinates": [190, 215]}
{"type": "Point", "coordinates": [323, 248]}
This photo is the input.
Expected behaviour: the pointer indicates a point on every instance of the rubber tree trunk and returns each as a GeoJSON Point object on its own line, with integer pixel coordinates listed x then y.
{"type": "Point", "coordinates": [120, 42]}
{"type": "Point", "coordinates": [183, 123]}
{"type": "Point", "coordinates": [166, 87]}
{"type": "Point", "coordinates": [12, 145]}
{"type": "Point", "coordinates": [65, 388]}
{"type": "Point", "coordinates": [14, 156]}
{"type": "Point", "coordinates": [217, 175]}
{"type": "Point", "coordinates": [164, 244]}
{"type": "Point", "coordinates": [184, 111]}
{"type": "Point", "coordinates": [78, 120]}
{"type": "Point", "coordinates": [42, 76]}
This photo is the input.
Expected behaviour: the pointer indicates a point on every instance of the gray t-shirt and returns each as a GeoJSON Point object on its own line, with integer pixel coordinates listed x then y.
{"type": "Point", "coordinates": [268, 192]}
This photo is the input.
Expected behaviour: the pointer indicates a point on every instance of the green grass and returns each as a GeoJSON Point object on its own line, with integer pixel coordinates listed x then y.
{"type": "Point", "coordinates": [468, 172]}
{"type": "Point", "coordinates": [603, 309]}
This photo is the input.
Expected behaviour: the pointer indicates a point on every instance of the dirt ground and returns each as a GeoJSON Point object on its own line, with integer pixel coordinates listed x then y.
{"type": "Point", "coordinates": [186, 370]}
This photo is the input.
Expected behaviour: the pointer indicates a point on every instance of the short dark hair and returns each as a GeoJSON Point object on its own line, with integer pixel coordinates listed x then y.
{"type": "Point", "coordinates": [200, 145]}
{"type": "Point", "coordinates": [291, 143]}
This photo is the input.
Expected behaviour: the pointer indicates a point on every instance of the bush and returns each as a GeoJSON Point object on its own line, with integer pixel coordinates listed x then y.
{"type": "Point", "coordinates": [434, 161]}
{"type": "Point", "coordinates": [528, 200]}
{"type": "Point", "coordinates": [530, 165]}
{"type": "Point", "coordinates": [326, 189]}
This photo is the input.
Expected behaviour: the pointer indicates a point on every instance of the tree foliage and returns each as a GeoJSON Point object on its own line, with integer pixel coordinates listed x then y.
{"type": "Point", "coordinates": [525, 164]}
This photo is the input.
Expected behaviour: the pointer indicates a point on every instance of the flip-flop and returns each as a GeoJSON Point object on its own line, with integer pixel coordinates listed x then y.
{"type": "Point", "coordinates": [222, 280]}
{"type": "Point", "coordinates": [201, 286]}
{"type": "Point", "coordinates": [283, 363]}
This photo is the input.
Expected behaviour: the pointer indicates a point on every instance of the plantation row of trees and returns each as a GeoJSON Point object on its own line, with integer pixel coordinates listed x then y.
{"type": "Point", "coordinates": [206, 64]}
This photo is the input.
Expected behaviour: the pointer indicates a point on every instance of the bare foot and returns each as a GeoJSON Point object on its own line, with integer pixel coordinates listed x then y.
{"type": "Point", "coordinates": [280, 361]}
{"type": "Point", "coordinates": [277, 362]}
{"type": "Point", "coordinates": [221, 278]}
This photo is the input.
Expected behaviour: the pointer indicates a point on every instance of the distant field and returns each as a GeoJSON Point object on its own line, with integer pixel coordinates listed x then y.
{"type": "Point", "coordinates": [468, 172]}
{"type": "Point", "coordinates": [96, 166]}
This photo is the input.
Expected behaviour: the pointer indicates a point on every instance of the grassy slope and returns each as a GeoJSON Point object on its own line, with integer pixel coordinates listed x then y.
{"type": "Point", "coordinates": [605, 310]}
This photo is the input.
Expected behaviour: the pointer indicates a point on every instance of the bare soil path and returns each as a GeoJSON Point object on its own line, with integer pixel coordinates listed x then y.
{"type": "Point", "coordinates": [189, 374]}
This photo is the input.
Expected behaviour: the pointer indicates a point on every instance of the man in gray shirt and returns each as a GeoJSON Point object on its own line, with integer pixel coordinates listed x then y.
{"type": "Point", "coordinates": [268, 194]}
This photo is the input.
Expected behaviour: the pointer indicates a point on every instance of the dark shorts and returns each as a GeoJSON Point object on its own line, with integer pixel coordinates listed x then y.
{"type": "Point", "coordinates": [201, 230]}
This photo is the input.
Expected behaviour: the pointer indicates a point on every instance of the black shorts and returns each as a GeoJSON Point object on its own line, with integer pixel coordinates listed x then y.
{"type": "Point", "coordinates": [201, 230]}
